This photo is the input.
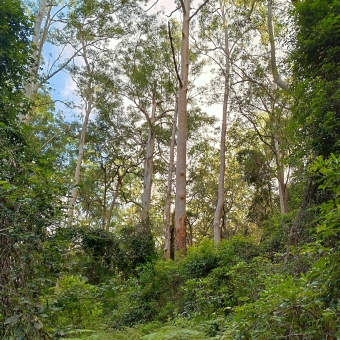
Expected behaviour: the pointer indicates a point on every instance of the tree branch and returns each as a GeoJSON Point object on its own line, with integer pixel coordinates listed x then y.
{"type": "Point", "coordinates": [163, 114]}
{"type": "Point", "coordinates": [198, 9]}
{"type": "Point", "coordinates": [176, 9]}
{"type": "Point", "coordinates": [277, 79]}
{"type": "Point", "coordinates": [151, 6]}
{"type": "Point", "coordinates": [173, 55]}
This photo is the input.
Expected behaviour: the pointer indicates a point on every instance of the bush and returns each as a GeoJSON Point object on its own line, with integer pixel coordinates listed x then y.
{"type": "Point", "coordinates": [288, 308]}
{"type": "Point", "coordinates": [72, 304]}
{"type": "Point", "coordinates": [207, 282]}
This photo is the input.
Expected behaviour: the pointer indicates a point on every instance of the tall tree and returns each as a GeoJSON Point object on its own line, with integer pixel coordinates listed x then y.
{"type": "Point", "coordinates": [144, 76]}
{"type": "Point", "coordinates": [180, 203]}
{"type": "Point", "coordinates": [88, 96]}
{"type": "Point", "coordinates": [38, 41]}
{"type": "Point", "coordinates": [221, 196]}
{"type": "Point", "coordinates": [93, 27]}
{"type": "Point", "coordinates": [168, 233]}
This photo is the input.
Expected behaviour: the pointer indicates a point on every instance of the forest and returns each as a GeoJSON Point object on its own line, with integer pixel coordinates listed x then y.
{"type": "Point", "coordinates": [169, 169]}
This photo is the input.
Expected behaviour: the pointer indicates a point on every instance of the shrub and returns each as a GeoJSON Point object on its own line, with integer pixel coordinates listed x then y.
{"type": "Point", "coordinates": [288, 308]}
{"type": "Point", "coordinates": [72, 304]}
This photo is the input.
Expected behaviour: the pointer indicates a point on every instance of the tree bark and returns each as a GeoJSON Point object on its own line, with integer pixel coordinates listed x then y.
{"type": "Point", "coordinates": [148, 165]}
{"type": "Point", "coordinates": [80, 159]}
{"type": "Point", "coordinates": [113, 203]}
{"type": "Point", "coordinates": [167, 226]}
{"type": "Point", "coordinates": [281, 178]}
{"type": "Point", "coordinates": [38, 42]}
{"type": "Point", "coordinates": [220, 202]}
{"type": "Point", "coordinates": [88, 110]}
{"type": "Point", "coordinates": [180, 204]}
{"type": "Point", "coordinates": [277, 79]}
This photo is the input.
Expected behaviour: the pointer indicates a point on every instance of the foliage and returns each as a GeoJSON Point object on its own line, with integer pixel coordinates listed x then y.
{"type": "Point", "coordinates": [316, 58]}
{"type": "Point", "coordinates": [72, 304]}
{"type": "Point", "coordinates": [200, 284]}
{"type": "Point", "coordinates": [327, 172]}
{"type": "Point", "coordinates": [176, 329]}
{"type": "Point", "coordinates": [305, 305]}
{"type": "Point", "coordinates": [30, 189]}
{"type": "Point", "coordinates": [289, 308]}
{"type": "Point", "coordinates": [15, 51]}
{"type": "Point", "coordinates": [99, 255]}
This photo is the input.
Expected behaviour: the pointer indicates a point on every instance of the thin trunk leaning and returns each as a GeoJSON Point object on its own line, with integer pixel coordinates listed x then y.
{"type": "Point", "coordinates": [88, 110]}
{"type": "Point", "coordinates": [220, 202]}
{"type": "Point", "coordinates": [80, 159]}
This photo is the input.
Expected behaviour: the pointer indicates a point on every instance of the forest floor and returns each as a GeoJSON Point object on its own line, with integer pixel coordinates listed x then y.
{"type": "Point", "coordinates": [182, 330]}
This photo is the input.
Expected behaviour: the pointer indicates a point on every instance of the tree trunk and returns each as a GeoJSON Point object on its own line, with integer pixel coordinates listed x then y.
{"type": "Point", "coordinates": [180, 205]}
{"type": "Point", "coordinates": [113, 203]}
{"type": "Point", "coordinates": [88, 109]}
{"type": "Point", "coordinates": [167, 231]}
{"type": "Point", "coordinates": [148, 165]}
{"type": "Point", "coordinates": [38, 44]}
{"type": "Point", "coordinates": [172, 237]}
{"type": "Point", "coordinates": [220, 202]}
{"type": "Point", "coordinates": [281, 178]}
{"type": "Point", "coordinates": [277, 79]}
{"type": "Point", "coordinates": [80, 159]}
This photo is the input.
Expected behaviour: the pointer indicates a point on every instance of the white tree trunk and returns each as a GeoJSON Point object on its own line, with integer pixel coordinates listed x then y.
{"type": "Point", "coordinates": [284, 86]}
{"type": "Point", "coordinates": [37, 41]}
{"type": "Point", "coordinates": [281, 178]}
{"type": "Point", "coordinates": [220, 202]}
{"type": "Point", "coordinates": [275, 72]}
{"type": "Point", "coordinates": [167, 232]}
{"type": "Point", "coordinates": [88, 110]}
{"type": "Point", "coordinates": [180, 204]}
{"type": "Point", "coordinates": [148, 165]}
{"type": "Point", "coordinates": [80, 159]}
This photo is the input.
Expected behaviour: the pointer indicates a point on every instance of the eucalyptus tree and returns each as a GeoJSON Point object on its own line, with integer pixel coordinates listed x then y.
{"type": "Point", "coordinates": [144, 76]}
{"type": "Point", "coordinates": [90, 29]}
{"type": "Point", "coordinates": [49, 16]}
{"type": "Point", "coordinates": [257, 90]}
{"type": "Point", "coordinates": [249, 81]}
{"type": "Point", "coordinates": [52, 22]}
{"type": "Point", "coordinates": [38, 41]}
{"type": "Point", "coordinates": [168, 230]}
{"type": "Point", "coordinates": [203, 170]}
{"type": "Point", "coordinates": [180, 205]}
{"type": "Point", "coordinates": [114, 154]}
{"type": "Point", "coordinates": [215, 43]}
{"type": "Point", "coordinates": [87, 93]}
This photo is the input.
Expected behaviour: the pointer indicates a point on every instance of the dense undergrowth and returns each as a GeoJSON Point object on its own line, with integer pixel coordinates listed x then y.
{"type": "Point", "coordinates": [242, 289]}
{"type": "Point", "coordinates": [100, 285]}
{"type": "Point", "coordinates": [239, 290]}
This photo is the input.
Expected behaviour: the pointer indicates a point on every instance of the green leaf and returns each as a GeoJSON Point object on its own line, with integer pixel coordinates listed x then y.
{"type": "Point", "coordinates": [12, 320]}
